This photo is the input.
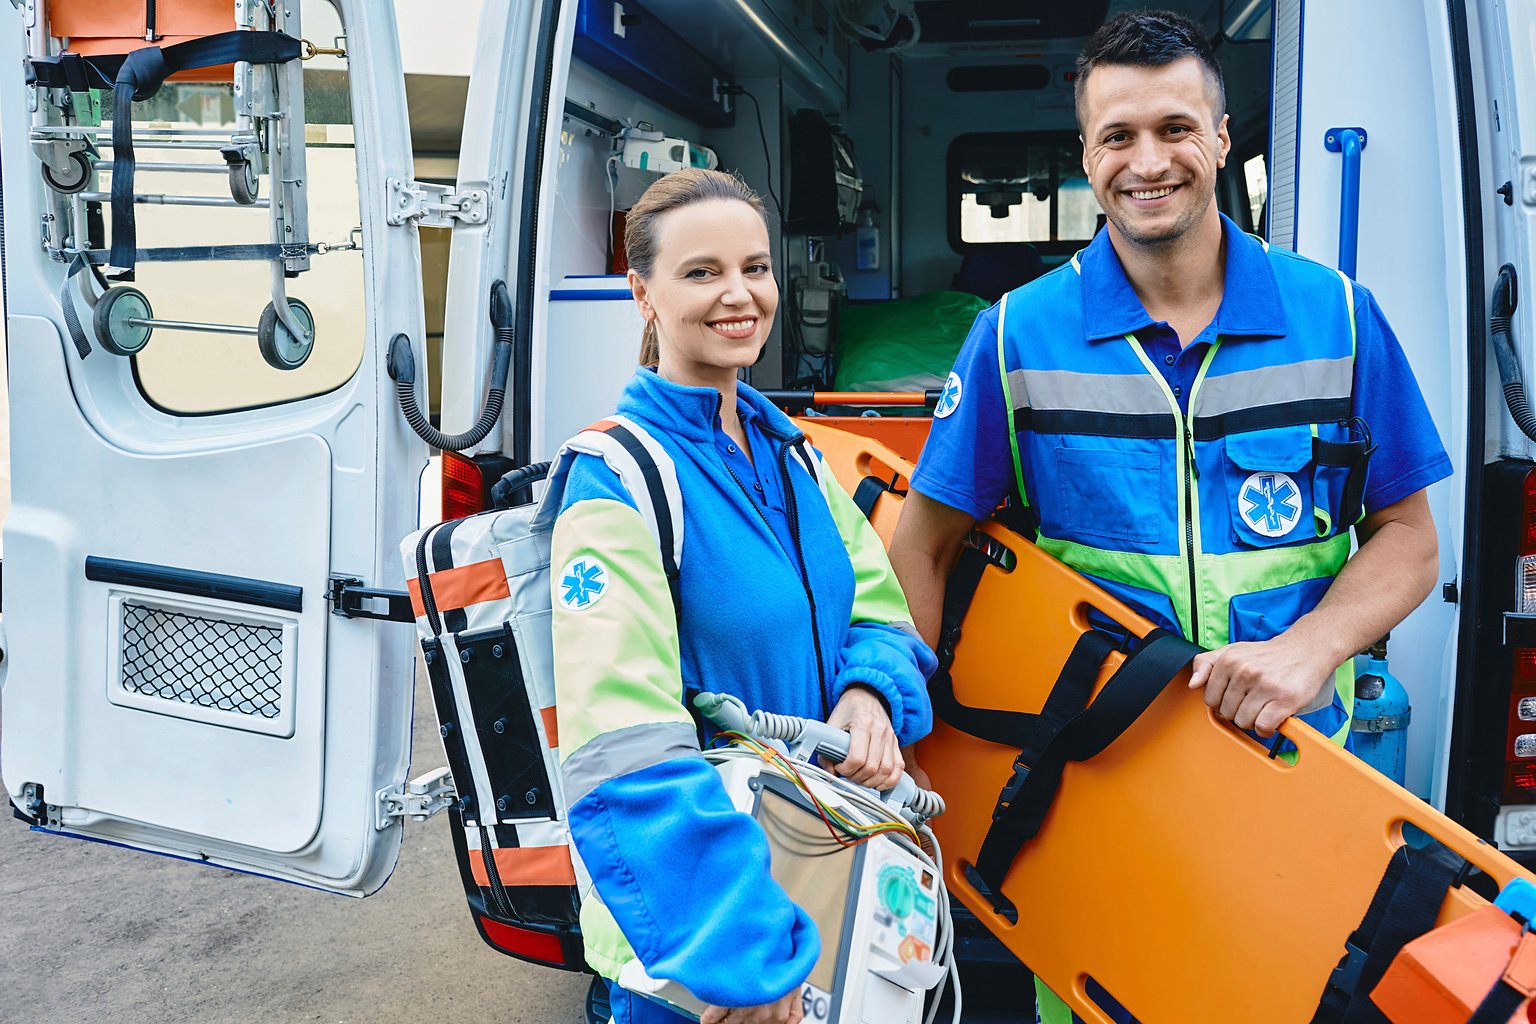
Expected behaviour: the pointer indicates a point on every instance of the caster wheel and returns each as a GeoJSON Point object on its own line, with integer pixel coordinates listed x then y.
{"type": "Point", "coordinates": [278, 346]}
{"type": "Point", "coordinates": [113, 319]}
{"type": "Point", "coordinates": [244, 182]}
{"type": "Point", "coordinates": [78, 176]}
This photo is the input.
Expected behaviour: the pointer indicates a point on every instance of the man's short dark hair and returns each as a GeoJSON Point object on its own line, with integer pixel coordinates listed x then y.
{"type": "Point", "coordinates": [1148, 39]}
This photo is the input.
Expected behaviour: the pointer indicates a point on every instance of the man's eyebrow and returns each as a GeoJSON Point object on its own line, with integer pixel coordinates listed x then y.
{"type": "Point", "coordinates": [1176, 116]}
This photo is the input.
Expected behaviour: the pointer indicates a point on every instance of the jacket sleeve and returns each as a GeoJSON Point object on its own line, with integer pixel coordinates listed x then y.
{"type": "Point", "coordinates": [883, 650]}
{"type": "Point", "coordinates": [685, 875]}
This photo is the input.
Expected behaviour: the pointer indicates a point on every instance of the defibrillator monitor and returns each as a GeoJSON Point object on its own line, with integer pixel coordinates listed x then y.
{"type": "Point", "coordinates": [875, 905]}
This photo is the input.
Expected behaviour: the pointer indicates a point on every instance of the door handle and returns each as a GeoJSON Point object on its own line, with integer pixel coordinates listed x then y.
{"type": "Point", "coordinates": [1348, 142]}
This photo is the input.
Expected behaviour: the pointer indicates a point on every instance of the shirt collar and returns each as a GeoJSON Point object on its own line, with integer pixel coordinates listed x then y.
{"type": "Point", "coordinates": [691, 412]}
{"type": "Point", "coordinates": [1250, 302]}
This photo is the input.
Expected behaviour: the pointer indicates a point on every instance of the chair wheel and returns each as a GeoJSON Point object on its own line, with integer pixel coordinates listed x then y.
{"type": "Point", "coordinates": [244, 182]}
{"type": "Point", "coordinates": [114, 311]}
{"type": "Point", "coordinates": [278, 346]}
{"type": "Point", "coordinates": [77, 178]}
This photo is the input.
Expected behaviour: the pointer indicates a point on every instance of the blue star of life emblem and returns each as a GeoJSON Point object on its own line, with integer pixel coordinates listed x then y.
{"type": "Point", "coordinates": [582, 582]}
{"type": "Point", "coordinates": [949, 398]}
{"type": "Point", "coordinates": [1271, 503]}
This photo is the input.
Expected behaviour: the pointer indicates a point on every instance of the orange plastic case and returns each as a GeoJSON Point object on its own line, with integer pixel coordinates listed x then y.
{"type": "Point", "coordinates": [93, 27]}
{"type": "Point", "coordinates": [1441, 977]}
{"type": "Point", "coordinates": [1191, 875]}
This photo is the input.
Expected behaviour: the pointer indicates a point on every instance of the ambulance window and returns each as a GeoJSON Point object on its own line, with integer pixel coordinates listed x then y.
{"type": "Point", "coordinates": [1020, 187]}
{"type": "Point", "coordinates": [1256, 181]}
{"type": "Point", "coordinates": [193, 373]}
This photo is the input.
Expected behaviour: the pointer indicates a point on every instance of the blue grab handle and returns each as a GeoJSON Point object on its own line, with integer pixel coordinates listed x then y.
{"type": "Point", "coordinates": [1348, 142]}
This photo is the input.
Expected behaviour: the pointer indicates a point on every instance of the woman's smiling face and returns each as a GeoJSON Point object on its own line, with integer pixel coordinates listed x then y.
{"type": "Point", "coordinates": [711, 292]}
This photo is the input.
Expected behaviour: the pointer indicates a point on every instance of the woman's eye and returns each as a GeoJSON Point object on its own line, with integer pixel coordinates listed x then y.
{"type": "Point", "coordinates": [697, 274]}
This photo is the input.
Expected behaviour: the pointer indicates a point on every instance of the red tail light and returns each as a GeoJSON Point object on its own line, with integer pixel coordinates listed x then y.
{"type": "Point", "coordinates": [1520, 753]}
{"type": "Point", "coordinates": [464, 487]}
{"type": "Point", "coordinates": [542, 947]}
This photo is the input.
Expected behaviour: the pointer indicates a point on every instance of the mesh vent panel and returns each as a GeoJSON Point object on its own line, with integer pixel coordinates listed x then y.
{"type": "Point", "coordinates": [212, 663]}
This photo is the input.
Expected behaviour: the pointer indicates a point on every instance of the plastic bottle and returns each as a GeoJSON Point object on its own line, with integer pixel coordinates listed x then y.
{"type": "Point", "coordinates": [867, 240]}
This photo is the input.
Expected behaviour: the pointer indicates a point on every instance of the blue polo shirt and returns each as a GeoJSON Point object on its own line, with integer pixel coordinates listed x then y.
{"type": "Point", "coordinates": [967, 463]}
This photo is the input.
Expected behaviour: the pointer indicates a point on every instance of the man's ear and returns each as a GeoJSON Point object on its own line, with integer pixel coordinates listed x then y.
{"type": "Point", "coordinates": [1224, 140]}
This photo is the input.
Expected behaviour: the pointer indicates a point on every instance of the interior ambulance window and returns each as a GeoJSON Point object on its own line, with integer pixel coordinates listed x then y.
{"type": "Point", "coordinates": [1256, 180]}
{"type": "Point", "coordinates": [1020, 187]}
{"type": "Point", "coordinates": [201, 372]}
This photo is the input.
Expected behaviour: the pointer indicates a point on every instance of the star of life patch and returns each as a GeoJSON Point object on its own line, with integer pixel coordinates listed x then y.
{"type": "Point", "coordinates": [583, 582]}
{"type": "Point", "coordinates": [949, 398]}
{"type": "Point", "coordinates": [1269, 503]}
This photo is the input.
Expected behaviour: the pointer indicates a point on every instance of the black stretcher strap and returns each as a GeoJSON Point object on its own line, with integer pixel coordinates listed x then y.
{"type": "Point", "coordinates": [1070, 729]}
{"type": "Point", "coordinates": [138, 76]}
{"type": "Point", "coordinates": [868, 493]}
{"type": "Point", "coordinates": [1499, 1004]}
{"type": "Point", "coordinates": [1405, 906]}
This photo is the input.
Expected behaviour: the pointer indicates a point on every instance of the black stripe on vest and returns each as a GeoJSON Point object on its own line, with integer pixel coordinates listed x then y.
{"type": "Point", "coordinates": [1288, 414]}
{"type": "Point", "coordinates": [1095, 424]}
{"type": "Point", "coordinates": [658, 493]}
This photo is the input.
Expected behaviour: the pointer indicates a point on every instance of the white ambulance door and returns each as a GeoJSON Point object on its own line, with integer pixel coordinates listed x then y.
{"type": "Point", "coordinates": [175, 678]}
{"type": "Point", "coordinates": [1390, 214]}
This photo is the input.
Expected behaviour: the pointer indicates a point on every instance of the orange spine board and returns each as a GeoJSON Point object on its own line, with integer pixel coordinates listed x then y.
{"type": "Point", "coordinates": [1187, 872]}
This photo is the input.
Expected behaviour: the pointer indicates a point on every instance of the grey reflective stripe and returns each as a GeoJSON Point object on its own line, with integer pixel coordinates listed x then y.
{"type": "Point", "coordinates": [1134, 394]}
{"type": "Point", "coordinates": [1310, 380]}
{"type": "Point", "coordinates": [623, 751]}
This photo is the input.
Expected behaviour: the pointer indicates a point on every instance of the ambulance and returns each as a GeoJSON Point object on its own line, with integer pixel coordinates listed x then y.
{"type": "Point", "coordinates": [217, 258]}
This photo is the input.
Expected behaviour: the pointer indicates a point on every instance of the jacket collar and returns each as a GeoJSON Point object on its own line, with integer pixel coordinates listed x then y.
{"type": "Point", "coordinates": [1250, 302]}
{"type": "Point", "coordinates": [692, 412]}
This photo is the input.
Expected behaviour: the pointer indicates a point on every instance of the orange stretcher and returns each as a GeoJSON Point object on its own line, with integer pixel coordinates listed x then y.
{"type": "Point", "coordinates": [96, 27]}
{"type": "Point", "coordinates": [1187, 872]}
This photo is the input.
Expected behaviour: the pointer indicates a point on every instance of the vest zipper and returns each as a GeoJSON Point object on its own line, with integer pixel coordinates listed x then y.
{"type": "Point", "coordinates": [1188, 471]}
{"type": "Point", "coordinates": [793, 508]}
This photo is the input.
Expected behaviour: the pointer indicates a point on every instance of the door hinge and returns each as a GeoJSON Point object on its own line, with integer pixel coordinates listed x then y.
{"type": "Point", "coordinates": [435, 206]}
{"type": "Point", "coordinates": [418, 799]}
{"type": "Point", "coordinates": [348, 598]}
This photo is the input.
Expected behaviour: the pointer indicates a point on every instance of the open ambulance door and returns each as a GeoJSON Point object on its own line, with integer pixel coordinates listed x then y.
{"type": "Point", "coordinates": [1366, 99]}
{"type": "Point", "coordinates": [178, 674]}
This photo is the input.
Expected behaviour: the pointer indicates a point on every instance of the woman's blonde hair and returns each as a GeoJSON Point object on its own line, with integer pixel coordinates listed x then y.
{"type": "Point", "coordinates": [667, 193]}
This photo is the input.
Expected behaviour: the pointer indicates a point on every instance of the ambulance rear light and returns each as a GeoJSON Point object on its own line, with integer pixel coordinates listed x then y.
{"type": "Point", "coordinates": [1520, 754]}
{"type": "Point", "coordinates": [548, 948]}
{"type": "Point", "coordinates": [467, 482]}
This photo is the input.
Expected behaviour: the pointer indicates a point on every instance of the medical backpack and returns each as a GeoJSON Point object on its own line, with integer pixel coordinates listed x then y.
{"type": "Point", "coordinates": [481, 590]}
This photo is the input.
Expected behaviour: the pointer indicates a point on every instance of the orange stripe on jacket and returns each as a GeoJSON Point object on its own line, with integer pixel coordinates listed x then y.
{"type": "Point", "coordinates": [526, 865]}
{"type": "Point", "coordinates": [462, 586]}
{"type": "Point", "coordinates": [551, 727]}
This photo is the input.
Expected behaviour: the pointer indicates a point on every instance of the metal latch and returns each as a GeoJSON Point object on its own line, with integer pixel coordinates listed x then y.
{"type": "Point", "coordinates": [435, 206]}
{"type": "Point", "coordinates": [348, 598]}
{"type": "Point", "coordinates": [421, 798]}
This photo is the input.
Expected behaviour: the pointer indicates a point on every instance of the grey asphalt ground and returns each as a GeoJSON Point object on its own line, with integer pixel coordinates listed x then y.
{"type": "Point", "coordinates": [91, 933]}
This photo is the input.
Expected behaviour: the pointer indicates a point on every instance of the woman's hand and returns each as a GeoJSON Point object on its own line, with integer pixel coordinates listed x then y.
{"type": "Point", "coordinates": [874, 755]}
{"type": "Point", "coordinates": [787, 1010]}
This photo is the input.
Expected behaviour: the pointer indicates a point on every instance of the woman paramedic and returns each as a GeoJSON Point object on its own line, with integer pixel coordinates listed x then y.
{"type": "Point", "coordinates": [786, 601]}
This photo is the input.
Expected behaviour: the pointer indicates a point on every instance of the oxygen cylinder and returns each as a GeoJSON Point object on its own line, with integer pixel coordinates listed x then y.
{"type": "Point", "coordinates": [1381, 716]}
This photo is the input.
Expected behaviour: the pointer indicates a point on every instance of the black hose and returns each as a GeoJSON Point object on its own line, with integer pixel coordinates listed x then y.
{"type": "Point", "coordinates": [402, 370]}
{"type": "Point", "coordinates": [1506, 297]}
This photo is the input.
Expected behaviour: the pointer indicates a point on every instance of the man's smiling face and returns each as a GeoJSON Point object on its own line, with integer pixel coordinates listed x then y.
{"type": "Point", "coordinates": [1152, 144]}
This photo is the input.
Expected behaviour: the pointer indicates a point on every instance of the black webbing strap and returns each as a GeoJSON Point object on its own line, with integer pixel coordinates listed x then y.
{"type": "Point", "coordinates": [67, 303]}
{"type": "Point", "coordinates": [659, 502]}
{"type": "Point", "coordinates": [1405, 906]}
{"type": "Point", "coordinates": [959, 591]}
{"type": "Point", "coordinates": [138, 76]}
{"type": "Point", "coordinates": [868, 493]}
{"type": "Point", "coordinates": [1071, 729]}
{"type": "Point", "coordinates": [1499, 1004]}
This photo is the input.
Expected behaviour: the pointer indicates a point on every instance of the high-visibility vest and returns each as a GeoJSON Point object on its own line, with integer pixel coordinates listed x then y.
{"type": "Point", "coordinates": [1227, 523]}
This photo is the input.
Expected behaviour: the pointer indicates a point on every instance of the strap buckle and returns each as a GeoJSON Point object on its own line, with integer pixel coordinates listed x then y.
{"type": "Point", "coordinates": [1346, 976]}
{"type": "Point", "coordinates": [1012, 786]}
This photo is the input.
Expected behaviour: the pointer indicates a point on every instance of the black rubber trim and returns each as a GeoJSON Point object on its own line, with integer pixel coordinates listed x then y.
{"type": "Point", "coordinates": [195, 583]}
{"type": "Point", "coordinates": [1095, 424]}
{"type": "Point", "coordinates": [1460, 802]}
{"type": "Point", "coordinates": [1264, 417]}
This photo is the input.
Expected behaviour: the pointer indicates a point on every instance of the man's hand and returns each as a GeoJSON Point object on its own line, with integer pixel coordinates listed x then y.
{"type": "Point", "coordinates": [787, 1010]}
{"type": "Point", "coordinates": [874, 756]}
{"type": "Point", "coordinates": [1259, 685]}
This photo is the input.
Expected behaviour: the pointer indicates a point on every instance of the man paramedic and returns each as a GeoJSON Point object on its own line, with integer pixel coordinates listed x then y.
{"type": "Point", "coordinates": [1188, 414]}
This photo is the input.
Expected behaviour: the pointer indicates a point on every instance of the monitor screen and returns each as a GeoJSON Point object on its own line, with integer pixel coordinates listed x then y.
{"type": "Point", "coordinates": [814, 869]}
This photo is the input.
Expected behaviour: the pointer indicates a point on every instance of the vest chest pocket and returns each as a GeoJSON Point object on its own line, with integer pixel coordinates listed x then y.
{"type": "Point", "coordinates": [1268, 475]}
{"type": "Point", "coordinates": [1110, 493]}
{"type": "Point", "coordinates": [1341, 464]}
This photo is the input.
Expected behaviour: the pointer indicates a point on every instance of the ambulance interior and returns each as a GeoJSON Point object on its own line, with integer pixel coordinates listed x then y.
{"type": "Point", "coordinates": [913, 180]}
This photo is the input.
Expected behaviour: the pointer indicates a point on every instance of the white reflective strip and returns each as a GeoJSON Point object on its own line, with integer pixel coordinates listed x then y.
{"type": "Point", "coordinates": [1132, 394]}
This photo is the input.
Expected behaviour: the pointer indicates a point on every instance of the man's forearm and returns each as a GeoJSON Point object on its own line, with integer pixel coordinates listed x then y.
{"type": "Point", "coordinates": [922, 579]}
{"type": "Point", "coordinates": [923, 551]}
